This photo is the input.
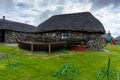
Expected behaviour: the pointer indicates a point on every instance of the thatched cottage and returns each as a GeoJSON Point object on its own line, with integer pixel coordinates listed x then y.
{"type": "Point", "coordinates": [71, 31]}
{"type": "Point", "coordinates": [11, 31]}
{"type": "Point", "coordinates": [75, 29]}
{"type": "Point", "coordinates": [68, 26]}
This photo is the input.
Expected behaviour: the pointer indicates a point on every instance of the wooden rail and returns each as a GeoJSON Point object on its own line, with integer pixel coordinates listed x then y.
{"type": "Point", "coordinates": [49, 46]}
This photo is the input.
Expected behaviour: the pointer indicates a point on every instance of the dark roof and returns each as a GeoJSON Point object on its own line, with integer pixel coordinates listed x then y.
{"type": "Point", "coordinates": [74, 22]}
{"type": "Point", "coordinates": [117, 38]}
{"type": "Point", "coordinates": [15, 26]}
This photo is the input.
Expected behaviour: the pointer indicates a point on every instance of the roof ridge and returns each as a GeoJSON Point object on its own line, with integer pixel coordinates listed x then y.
{"type": "Point", "coordinates": [16, 22]}
{"type": "Point", "coordinates": [73, 13]}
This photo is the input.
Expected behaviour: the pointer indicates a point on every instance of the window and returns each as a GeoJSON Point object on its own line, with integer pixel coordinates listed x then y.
{"type": "Point", "coordinates": [64, 35]}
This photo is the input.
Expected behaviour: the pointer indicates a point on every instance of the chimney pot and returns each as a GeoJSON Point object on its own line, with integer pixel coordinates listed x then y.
{"type": "Point", "coordinates": [3, 17]}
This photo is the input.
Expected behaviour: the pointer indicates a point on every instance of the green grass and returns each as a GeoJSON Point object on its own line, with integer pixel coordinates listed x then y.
{"type": "Point", "coordinates": [41, 66]}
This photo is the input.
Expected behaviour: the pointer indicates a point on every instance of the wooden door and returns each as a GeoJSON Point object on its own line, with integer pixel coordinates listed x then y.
{"type": "Point", "coordinates": [2, 35]}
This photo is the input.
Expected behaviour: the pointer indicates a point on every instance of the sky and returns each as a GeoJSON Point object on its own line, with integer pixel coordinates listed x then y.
{"type": "Point", "coordinates": [35, 12]}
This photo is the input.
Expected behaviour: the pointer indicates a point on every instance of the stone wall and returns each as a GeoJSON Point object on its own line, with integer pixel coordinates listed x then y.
{"type": "Point", "coordinates": [51, 35]}
{"type": "Point", "coordinates": [91, 40]}
{"type": "Point", "coordinates": [12, 37]}
{"type": "Point", "coordinates": [80, 35]}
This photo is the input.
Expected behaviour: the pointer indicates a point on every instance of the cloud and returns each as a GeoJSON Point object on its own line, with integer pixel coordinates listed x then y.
{"type": "Point", "coordinates": [36, 11]}
{"type": "Point", "coordinates": [109, 19]}
{"type": "Point", "coordinates": [98, 4]}
{"type": "Point", "coordinates": [108, 11]}
{"type": "Point", "coordinates": [24, 4]}
{"type": "Point", "coordinates": [6, 5]}
{"type": "Point", "coordinates": [48, 13]}
{"type": "Point", "coordinates": [74, 6]}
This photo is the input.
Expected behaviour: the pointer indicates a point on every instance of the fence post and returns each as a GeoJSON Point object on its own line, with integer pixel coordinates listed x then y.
{"type": "Point", "coordinates": [49, 46]}
{"type": "Point", "coordinates": [31, 47]}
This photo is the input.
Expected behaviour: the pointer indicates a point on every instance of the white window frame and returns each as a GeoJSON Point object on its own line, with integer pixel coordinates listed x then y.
{"type": "Point", "coordinates": [64, 35]}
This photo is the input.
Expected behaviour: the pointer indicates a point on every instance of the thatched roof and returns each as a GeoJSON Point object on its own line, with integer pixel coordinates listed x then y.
{"type": "Point", "coordinates": [15, 26]}
{"type": "Point", "coordinates": [72, 22]}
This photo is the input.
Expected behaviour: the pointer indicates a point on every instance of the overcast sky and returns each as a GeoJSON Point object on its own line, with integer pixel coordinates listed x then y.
{"type": "Point", "coordinates": [36, 11]}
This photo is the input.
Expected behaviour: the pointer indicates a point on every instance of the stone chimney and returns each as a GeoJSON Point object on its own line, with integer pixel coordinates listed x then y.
{"type": "Point", "coordinates": [3, 17]}
{"type": "Point", "coordinates": [109, 33]}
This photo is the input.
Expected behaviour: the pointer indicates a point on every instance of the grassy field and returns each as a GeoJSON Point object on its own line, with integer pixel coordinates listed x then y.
{"type": "Point", "coordinates": [41, 66]}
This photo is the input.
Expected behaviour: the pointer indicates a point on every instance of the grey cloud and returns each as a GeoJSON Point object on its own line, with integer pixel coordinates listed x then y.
{"type": "Point", "coordinates": [48, 13]}
{"type": "Point", "coordinates": [47, 3]}
{"type": "Point", "coordinates": [115, 9]}
{"type": "Point", "coordinates": [61, 2]}
{"type": "Point", "coordinates": [97, 4]}
{"type": "Point", "coordinates": [45, 15]}
{"type": "Point", "coordinates": [118, 22]}
{"type": "Point", "coordinates": [58, 10]}
{"type": "Point", "coordinates": [6, 4]}
{"type": "Point", "coordinates": [21, 5]}
{"type": "Point", "coordinates": [81, 1]}
{"type": "Point", "coordinates": [99, 15]}
{"type": "Point", "coordinates": [25, 5]}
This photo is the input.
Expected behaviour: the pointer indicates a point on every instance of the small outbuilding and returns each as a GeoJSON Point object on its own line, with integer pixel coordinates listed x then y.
{"type": "Point", "coordinates": [117, 40]}
{"type": "Point", "coordinates": [11, 31]}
